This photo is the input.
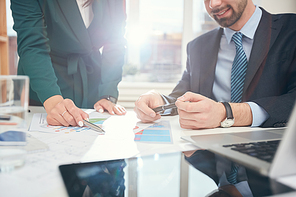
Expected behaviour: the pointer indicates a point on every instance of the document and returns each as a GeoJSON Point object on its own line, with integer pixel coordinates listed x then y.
{"type": "Point", "coordinates": [39, 123]}
{"type": "Point", "coordinates": [158, 132]}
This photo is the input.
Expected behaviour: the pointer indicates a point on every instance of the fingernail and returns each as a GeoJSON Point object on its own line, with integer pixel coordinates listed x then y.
{"type": "Point", "coordinates": [101, 110]}
{"type": "Point", "coordinates": [80, 123]}
{"type": "Point", "coordinates": [87, 119]}
{"type": "Point", "coordinates": [152, 115]}
{"type": "Point", "coordinates": [112, 112]}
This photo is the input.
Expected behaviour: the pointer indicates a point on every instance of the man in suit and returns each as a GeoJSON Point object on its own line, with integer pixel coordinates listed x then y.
{"type": "Point", "coordinates": [269, 83]}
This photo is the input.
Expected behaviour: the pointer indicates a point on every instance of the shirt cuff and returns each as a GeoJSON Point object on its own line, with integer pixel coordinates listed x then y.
{"type": "Point", "coordinates": [258, 113]}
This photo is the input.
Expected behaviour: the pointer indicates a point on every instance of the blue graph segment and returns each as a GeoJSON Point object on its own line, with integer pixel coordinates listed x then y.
{"type": "Point", "coordinates": [146, 138]}
{"type": "Point", "coordinates": [156, 132]}
{"type": "Point", "coordinates": [156, 125]}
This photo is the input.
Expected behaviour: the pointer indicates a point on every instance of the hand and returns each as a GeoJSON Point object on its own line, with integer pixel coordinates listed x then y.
{"type": "Point", "coordinates": [144, 105]}
{"type": "Point", "coordinates": [112, 108]}
{"type": "Point", "coordinates": [63, 112]}
{"type": "Point", "coordinates": [200, 112]}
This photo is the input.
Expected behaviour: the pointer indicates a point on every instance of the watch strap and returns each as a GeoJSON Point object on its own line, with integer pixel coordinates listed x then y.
{"type": "Point", "coordinates": [228, 109]}
{"type": "Point", "coordinates": [109, 98]}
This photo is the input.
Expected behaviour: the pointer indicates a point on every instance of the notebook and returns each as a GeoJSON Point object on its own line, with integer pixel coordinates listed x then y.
{"type": "Point", "coordinates": [282, 164]}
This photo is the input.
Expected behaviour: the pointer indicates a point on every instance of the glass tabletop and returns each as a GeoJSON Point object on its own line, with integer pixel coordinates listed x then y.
{"type": "Point", "coordinates": [192, 173]}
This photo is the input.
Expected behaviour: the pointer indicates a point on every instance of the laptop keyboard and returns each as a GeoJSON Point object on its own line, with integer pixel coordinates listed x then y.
{"type": "Point", "coordinates": [261, 150]}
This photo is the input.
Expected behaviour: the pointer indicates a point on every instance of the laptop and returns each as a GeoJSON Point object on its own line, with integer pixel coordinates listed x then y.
{"type": "Point", "coordinates": [242, 148]}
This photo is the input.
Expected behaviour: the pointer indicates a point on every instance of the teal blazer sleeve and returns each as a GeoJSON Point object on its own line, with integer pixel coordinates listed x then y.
{"type": "Point", "coordinates": [33, 48]}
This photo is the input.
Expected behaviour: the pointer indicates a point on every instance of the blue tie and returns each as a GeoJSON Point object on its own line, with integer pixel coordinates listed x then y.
{"type": "Point", "coordinates": [232, 177]}
{"type": "Point", "coordinates": [239, 68]}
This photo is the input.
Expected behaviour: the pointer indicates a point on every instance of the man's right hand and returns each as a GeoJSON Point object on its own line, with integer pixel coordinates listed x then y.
{"type": "Point", "coordinates": [144, 105]}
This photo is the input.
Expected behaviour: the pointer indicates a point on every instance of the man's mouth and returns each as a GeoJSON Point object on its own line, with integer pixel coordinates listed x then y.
{"type": "Point", "coordinates": [221, 13]}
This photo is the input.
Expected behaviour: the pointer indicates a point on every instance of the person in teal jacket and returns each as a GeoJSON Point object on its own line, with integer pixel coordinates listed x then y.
{"type": "Point", "coordinates": [71, 65]}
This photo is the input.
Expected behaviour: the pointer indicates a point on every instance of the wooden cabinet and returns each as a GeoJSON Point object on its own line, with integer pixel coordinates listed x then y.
{"type": "Point", "coordinates": [4, 69]}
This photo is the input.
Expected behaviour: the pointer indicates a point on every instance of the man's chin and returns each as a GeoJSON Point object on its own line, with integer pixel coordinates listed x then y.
{"type": "Point", "coordinates": [224, 22]}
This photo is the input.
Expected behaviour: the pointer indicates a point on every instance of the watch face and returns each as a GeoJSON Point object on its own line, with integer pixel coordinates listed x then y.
{"type": "Point", "coordinates": [227, 123]}
{"type": "Point", "coordinates": [112, 99]}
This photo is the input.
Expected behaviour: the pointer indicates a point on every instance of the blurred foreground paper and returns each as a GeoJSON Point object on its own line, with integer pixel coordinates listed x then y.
{"type": "Point", "coordinates": [118, 141]}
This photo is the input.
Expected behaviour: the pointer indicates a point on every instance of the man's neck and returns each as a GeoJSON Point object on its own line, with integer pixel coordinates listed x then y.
{"type": "Point", "coordinates": [248, 12]}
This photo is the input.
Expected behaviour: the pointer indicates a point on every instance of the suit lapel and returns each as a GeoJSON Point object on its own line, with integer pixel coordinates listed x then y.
{"type": "Point", "coordinates": [98, 11]}
{"type": "Point", "coordinates": [72, 15]}
{"type": "Point", "coordinates": [209, 60]}
{"type": "Point", "coordinates": [264, 38]}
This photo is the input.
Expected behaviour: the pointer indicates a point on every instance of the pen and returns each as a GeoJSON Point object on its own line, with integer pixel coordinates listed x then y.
{"type": "Point", "coordinates": [164, 107]}
{"type": "Point", "coordinates": [93, 126]}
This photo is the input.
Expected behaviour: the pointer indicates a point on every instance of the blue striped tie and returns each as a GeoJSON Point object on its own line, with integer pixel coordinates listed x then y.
{"type": "Point", "coordinates": [232, 177]}
{"type": "Point", "coordinates": [239, 68]}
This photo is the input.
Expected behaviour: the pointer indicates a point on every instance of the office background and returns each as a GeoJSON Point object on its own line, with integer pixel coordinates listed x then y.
{"type": "Point", "coordinates": [159, 47]}
{"type": "Point", "coordinates": [157, 33]}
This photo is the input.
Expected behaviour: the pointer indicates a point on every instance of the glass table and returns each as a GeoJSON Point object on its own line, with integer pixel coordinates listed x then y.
{"type": "Point", "coordinates": [192, 173]}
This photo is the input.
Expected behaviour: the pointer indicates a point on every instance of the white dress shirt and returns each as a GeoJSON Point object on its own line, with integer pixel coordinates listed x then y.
{"type": "Point", "coordinates": [86, 12]}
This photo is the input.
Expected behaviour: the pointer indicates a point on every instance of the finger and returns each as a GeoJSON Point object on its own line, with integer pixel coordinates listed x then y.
{"type": "Point", "coordinates": [52, 121]}
{"type": "Point", "coordinates": [73, 117]}
{"type": "Point", "coordinates": [84, 115]}
{"type": "Point", "coordinates": [145, 119]}
{"type": "Point", "coordinates": [183, 115]}
{"type": "Point", "coordinates": [142, 108]}
{"type": "Point", "coordinates": [199, 117]}
{"type": "Point", "coordinates": [99, 108]}
{"type": "Point", "coordinates": [57, 115]}
{"type": "Point", "coordinates": [108, 106]}
{"type": "Point", "coordinates": [196, 121]}
{"type": "Point", "coordinates": [119, 110]}
{"type": "Point", "coordinates": [202, 105]}
{"type": "Point", "coordinates": [190, 124]}
{"type": "Point", "coordinates": [191, 97]}
{"type": "Point", "coordinates": [110, 111]}
{"type": "Point", "coordinates": [122, 109]}
{"type": "Point", "coordinates": [189, 106]}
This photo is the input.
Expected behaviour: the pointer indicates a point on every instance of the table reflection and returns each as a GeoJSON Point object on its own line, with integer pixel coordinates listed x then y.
{"type": "Point", "coordinates": [219, 169]}
{"type": "Point", "coordinates": [166, 175]}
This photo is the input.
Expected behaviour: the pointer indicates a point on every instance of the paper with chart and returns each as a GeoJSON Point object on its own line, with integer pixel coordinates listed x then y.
{"type": "Point", "coordinates": [39, 123]}
{"type": "Point", "coordinates": [159, 132]}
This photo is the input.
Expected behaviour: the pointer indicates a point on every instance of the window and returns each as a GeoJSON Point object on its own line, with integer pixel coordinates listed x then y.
{"type": "Point", "coordinates": [157, 33]}
{"type": "Point", "coordinates": [154, 34]}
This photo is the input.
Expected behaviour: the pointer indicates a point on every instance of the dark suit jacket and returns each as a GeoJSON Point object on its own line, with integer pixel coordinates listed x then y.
{"type": "Point", "coordinates": [62, 57]}
{"type": "Point", "coordinates": [271, 74]}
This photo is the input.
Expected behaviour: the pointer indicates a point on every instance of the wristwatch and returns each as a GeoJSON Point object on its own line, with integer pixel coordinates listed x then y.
{"type": "Point", "coordinates": [229, 121]}
{"type": "Point", "coordinates": [109, 98]}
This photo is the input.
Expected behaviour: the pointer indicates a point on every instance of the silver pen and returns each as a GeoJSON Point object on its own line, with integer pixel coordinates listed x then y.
{"type": "Point", "coordinates": [93, 126]}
